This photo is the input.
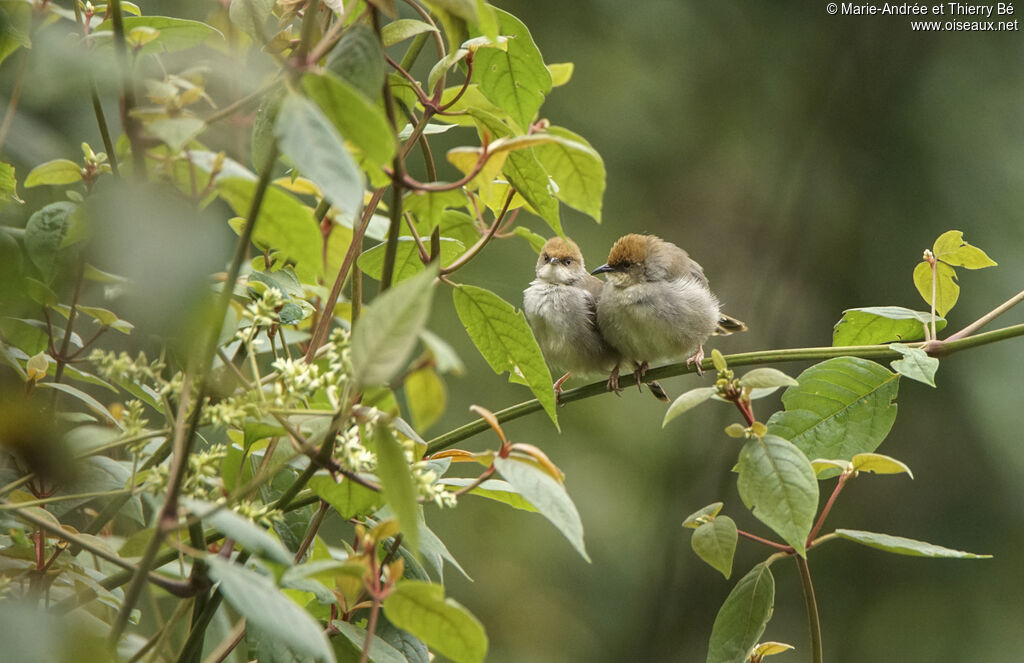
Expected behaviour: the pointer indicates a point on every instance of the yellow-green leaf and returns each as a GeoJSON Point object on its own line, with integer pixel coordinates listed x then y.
{"type": "Point", "coordinates": [56, 172]}
{"type": "Point", "coordinates": [946, 289]}
{"type": "Point", "coordinates": [951, 248]}
{"type": "Point", "coordinates": [879, 464]}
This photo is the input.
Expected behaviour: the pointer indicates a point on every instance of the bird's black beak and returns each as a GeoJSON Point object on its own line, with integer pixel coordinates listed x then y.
{"type": "Point", "coordinates": [602, 269]}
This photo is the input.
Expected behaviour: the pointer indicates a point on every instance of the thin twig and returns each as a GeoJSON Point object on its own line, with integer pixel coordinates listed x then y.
{"type": "Point", "coordinates": [813, 621]}
{"type": "Point", "coordinates": [771, 544]}
{"type": "Point", "coordinates": [988, 317]}
{"type": "Point", "coordinates": [482, 242]}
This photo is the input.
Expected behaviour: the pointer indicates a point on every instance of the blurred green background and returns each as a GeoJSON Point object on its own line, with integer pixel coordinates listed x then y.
{"type": "Point", "coordinates": [805, 160]}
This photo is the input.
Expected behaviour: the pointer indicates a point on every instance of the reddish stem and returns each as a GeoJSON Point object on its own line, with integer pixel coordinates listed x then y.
{"type": "Point", "coordinates": [771, 544]}
{"type": "Point", "coordinates": [828, 507]}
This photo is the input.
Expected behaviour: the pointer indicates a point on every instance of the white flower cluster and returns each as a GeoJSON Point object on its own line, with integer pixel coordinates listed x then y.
{"type": "Point", "coordinates": [116, 367]}
{"type": "Point", "coordinates": [426, 478]}
{"type": "Point", "coordinates": [262, 311]}
{"type": "Point", "coordinates": [351, 454]}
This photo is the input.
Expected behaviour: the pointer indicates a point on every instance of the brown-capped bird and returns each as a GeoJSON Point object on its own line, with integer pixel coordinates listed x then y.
{"type": "Point", "coordinates": [561, 306]}
{"type": "Point", "coordinates": [656, 305]}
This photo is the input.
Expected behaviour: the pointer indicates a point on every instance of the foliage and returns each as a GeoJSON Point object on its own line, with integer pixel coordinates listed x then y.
{"type": "Point", "coordinates": [250, 488]}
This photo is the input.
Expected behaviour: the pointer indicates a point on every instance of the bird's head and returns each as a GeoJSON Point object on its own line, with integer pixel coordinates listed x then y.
{"type": "Point", "coordinates": [560, 262]}
{"type": "Point", "coordinates": [630, 259]}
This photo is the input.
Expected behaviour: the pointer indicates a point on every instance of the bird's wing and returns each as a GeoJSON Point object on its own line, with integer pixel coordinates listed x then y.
{"type": "Point", "coordinates": [681, 265]}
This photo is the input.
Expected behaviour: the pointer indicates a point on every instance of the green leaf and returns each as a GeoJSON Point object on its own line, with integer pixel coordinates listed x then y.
{"type": "Point", "coordinates": [388, 329]}
{"type": "Point", "coordinates": [445, 357]}
{"type": "Point", "coordinates": [702, 515]}
{"type": "Point", "coordinates": [348, 498]}
{"type": "Point", "coordinates": [743, 617]}
{"type": "Point", "coordinates": [251, 536]}
{"type": "Point", "coordinates": [495, 489]}
{"type": "Point", "coordinates": [715, 543]}
{"type": "Point", "coordinates": [257, 598]}
{"type": "Point", "coordinates": [516, 80]}
{"type": "Point", "coordinates": [766, 378]}
{"type": "Point", "coordinates": [56, 172]}
{"type": "Point", "coordinates": [505, 340]}
{"type": "Point", "coordinates": [843, 406]}
{"type": "Point", "coordinates": [251, 16]}
{"type": "Point", "coordinates": [8, 184]}
{"type": "Point", "coordinates": [402, 29]}
{"type": "Point", "coordinates": [427, 397]}
{"type": "Point", "coordinates": [44, 235]}
{"type": "Point", "coordinates": [824, 468]}
{"type": "Point", "coordinates": [90, 402]}
{"type": "Point", "coordinates": [176, 34]}
{"type": "Point", "coordinates": [421, 609]}
{"type": "Point", "coordinates": [27, 336]}
{"type": "Point", "coordinates": [307, 138]}
{"type": "Point", "coordinates": [882, 324]}
{"type": "Point", "coordinates": [429, 207]}
{"type": "Point", "coordinates": [916, 364]}
{"type": "Point", "coordinates": [358, 59]}
{"type": "Point", "coordinates": [777, 483]}
{"type": "Point", "coordinates": [358, 119]}
{"type": "Point", "coordinates": [879, 464]}
{"type": "Point", "coordinates": [176, 132]}
{"type": "Point", "coordinates": [946, 289]}
{"type": "Point", "coordinates": [549, 497]}
{"type": "Point", "coordinates": [525, 172]}
{"type": "Point", "coordinates": [576, 168]}
{"type": "Point", "coordinates": [687, 401]}
{"type": "Point", "coordinates": [561, 73]}
{"type": "Point", "coordinates": [407, 258]}
{"type": "Point", "coordinates": [536, 241]}
{"type": "Point", "coordinates": [398, 485]}
{"type": "Point", "coordinates": [951, 248]}
{"type": "Point", "coordinates": [380, 650]}
{"type": "Point", "coordinates": [15, 25]}
{"type": "Point", "coordinates": [283, 224]}
{"type": "Point", "coordinates": [901, 546]}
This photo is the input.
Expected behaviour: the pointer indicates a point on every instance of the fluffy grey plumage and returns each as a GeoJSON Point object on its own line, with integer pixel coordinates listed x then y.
{"type": "Point", "coordinates": [561, 306]}
{"type": "Point", "coordinates": [656, 304]}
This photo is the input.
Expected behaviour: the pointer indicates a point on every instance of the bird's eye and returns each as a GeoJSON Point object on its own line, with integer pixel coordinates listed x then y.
{"type": "Point", "coordinates": [566, 261]}
{"type": "Point", "coordinates": [545, 257]}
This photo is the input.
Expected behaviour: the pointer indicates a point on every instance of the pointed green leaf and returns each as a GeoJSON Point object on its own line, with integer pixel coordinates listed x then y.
{"type": "Point", "coordinates": [445, 357]}
{"type": "Point", "coordinates": [951, 248]}
{"type": "Point", "coordinates": [307, 138]}
{"type": "Point", "coordinates": [901, 546]}
{"type": "Point", "coordinates": [44, 234]}
{"type": "Point", "coordinates": [176, 132]}
{"type": "Point", "coordinates": [715, 543]}
{"type": "Point", "coordinates": [284, 224]}
{"type": "Point", "coordinates": [843, 406]}
{"type": "Point", "coordinates": [916, 364]}
{"type": "Point", "coordinates": [388, 329]}
{"type": "Point", "coordinates": [402, 29]}
{"type": "Point", "coordinates": [94, 405]}
{"type": "Point", "coordinates": [946, 289]}
{"type": "Point", "coordinates": [380, 650]}
{"type": "Point", "coordinates": [421, 609]}
{"type": "Point", "coordinates": [407, 258]}
{"type": "Point", "coordinates": [505, 340]}
{"type": "Point", "coordinates": [429, 207]}
{"type": "Point", "coordinates": [248, 534]}
{"type": "Point", "coordinates": [348, 498]}
{"type": "Point", "coordinates": [576, 168]}
{"type": "Point", "coordinates": [398, 486]}
{"type": "Point", "coordinates": [358, 58]}
{"type": "Point", "coordinates": [688, 401]}
{"type": "Point", "coordinates": [703, 515]}
{"type": "Point", "coordinates": [358, 119]}
{"type": "Point", "coordinates": [175, 34]}
{"type": "Point", "coordinates": [824, 468]}
{"type": "Point", "coordinates": [56, 172]}
{"type": "Point", "coordinates": [766, 378]}
{"type": "Point", "coordinates": [427, 397]}
{"type": "Point", "coordinates": [531, 181]}
{"type": "Point", "coordinates": [536, 241]}
{"type": "Point", "coordinates": [879, 464]}
{"type": "Point", "coordinates": [882, 324]}
{"type": "Point", "coordinates": [516, 79]}
{"type": "Point", "coordinates": [777, 483]}
{"type": "Point", "coordinates": [8, 184]}
{"type": "Point", "coordinates": [495, 489]}
{"type": "Point", "coordinates": [561, 73]}
{"type": "Point", "coordinates": [549, 497]}
{"type": "Point", "coordinates": [251, 16]}
{"type": "Point", "coordinates": [257, 598]}
{"type": "Point", "coordinates": [743, 617]}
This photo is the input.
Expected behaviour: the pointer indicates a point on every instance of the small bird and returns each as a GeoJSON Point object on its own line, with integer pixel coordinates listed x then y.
{"type": "Point", "coordinates": [561, 306]}
{"type": "Point", "coordinates": [656, 305]}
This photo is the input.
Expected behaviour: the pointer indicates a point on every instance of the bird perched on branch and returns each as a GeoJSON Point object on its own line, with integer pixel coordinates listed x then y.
{"type": "Point", "coordinates": [561, 306]}
{"type": "Point", "coordinates": [656, 305]}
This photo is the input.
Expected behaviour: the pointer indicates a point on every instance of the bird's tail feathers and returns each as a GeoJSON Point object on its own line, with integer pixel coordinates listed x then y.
{"type": "Point", "coordinates": [729, 325]}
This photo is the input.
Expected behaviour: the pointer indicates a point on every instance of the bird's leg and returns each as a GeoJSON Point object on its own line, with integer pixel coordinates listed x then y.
{"type": "Point", "coordinates": [696, 359]}
{"type": "Point", "coordinates": [613, 381]}
{"type": "Point", "coordinates": [639, 372]}
{"type": "Point", "coordinates": [558, 388]}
